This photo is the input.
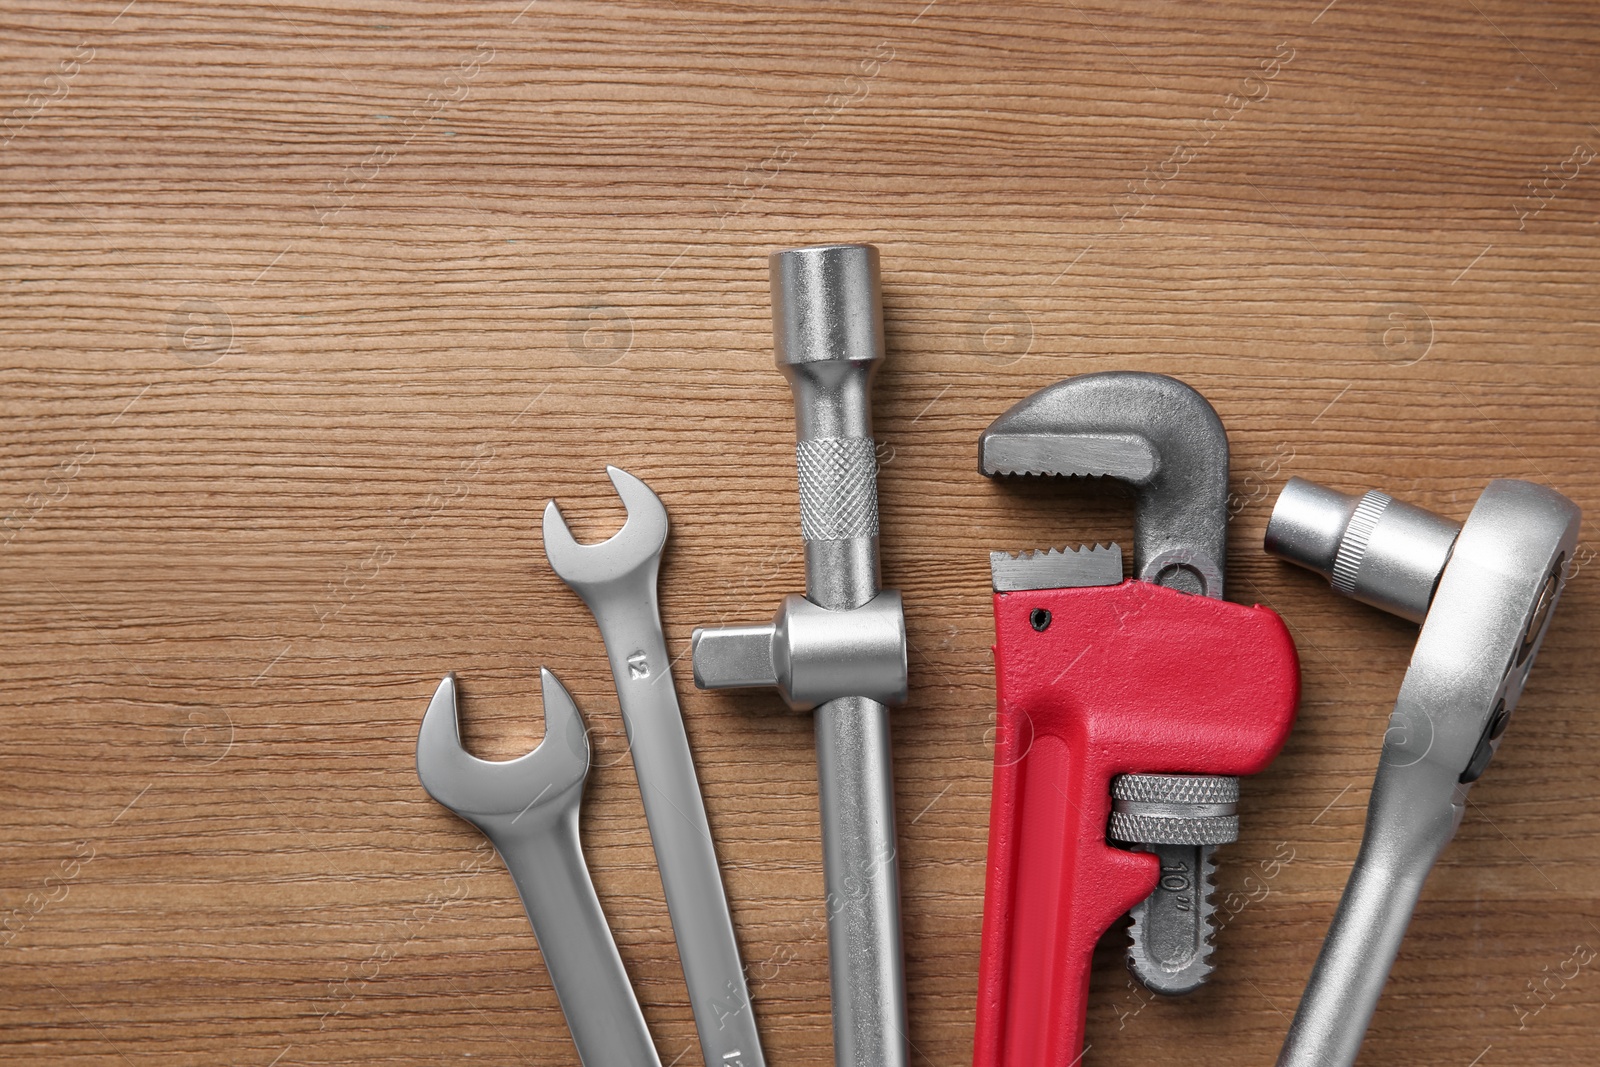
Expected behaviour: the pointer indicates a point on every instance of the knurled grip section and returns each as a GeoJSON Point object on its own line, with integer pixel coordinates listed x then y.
{"type": "Point", "coordinates": [1165, 830]}
{"type": "Point", "coordinates": [1353, 546]}
{"type": "Point", "coordinates": [838, 488]}
{"type": "Point", "coordinates": [1174, 809]}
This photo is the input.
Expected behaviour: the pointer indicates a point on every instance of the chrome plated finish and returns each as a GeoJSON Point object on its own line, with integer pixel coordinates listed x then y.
{"type": "Point", "coordinates": [617, 580]}
{"type": "Point", "coordinates": [810, 654]}
{"type": "Point", "coordinates": [1489, 612]}
{"type": "Point", "coordinates": [827, 321]}
{"type": "Point", "coordinates": [1373, 548]}
{"type": "Point", "coordinates": [528, 808]}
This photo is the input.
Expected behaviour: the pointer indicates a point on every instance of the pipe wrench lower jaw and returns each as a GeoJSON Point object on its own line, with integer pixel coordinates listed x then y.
{"type": "Point", "coordinates": [1095, 682]}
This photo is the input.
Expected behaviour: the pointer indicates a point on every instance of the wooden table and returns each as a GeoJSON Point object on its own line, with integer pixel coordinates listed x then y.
{"type": "Point", "coordinates": [308, 310]}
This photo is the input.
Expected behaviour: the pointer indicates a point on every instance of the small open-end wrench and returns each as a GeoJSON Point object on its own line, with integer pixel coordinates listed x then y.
{"type": "Point", "coordinates": [528, 808]}
{"type": "Point", "coordinates": [1485, 592]}
{"type": "Point", "coordinates": [617, 580]}
{"type": "Point", "coordinates": [1154, 692]}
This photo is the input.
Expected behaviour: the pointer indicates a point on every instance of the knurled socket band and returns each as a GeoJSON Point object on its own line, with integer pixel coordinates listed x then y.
{"type": "Point", "coordinates": [1371, 547]}
{"type": "Point", "coordinates": [1353, 546]}
{"type": "Point", "coordinates": [838, 488]}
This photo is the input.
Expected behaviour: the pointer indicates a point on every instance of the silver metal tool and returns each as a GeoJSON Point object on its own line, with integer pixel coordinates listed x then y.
{"type": "Point", "coordinates": [1484, 592]}
{"type": "Point", "coordinates": [1161, 437]}
{"type": "Point", "coordinates": [842, 647]}
{"type": "Point", "coordinates": [617, 580]}
{"type": "Point", "coordinates": [528, 808]}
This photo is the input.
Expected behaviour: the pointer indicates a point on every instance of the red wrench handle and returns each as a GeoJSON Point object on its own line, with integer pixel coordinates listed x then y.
{"type": "Point", "coordinates": [1092, 683]}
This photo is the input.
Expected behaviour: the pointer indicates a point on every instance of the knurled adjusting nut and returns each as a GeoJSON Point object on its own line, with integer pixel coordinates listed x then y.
{"type": "Point", "coordinates": [1174, 809]}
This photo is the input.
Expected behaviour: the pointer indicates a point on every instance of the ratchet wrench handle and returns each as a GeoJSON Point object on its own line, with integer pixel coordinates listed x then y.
{"type": "Point", "coordinates": [1408, 826]}
{"type": "Point", "coordinates": [1485, 592]}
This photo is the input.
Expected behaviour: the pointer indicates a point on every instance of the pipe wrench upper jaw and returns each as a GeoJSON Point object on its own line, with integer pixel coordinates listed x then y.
{"type": "Point", "coordinates": [1055, 568]}
{"type": "Point", "coordinates": [1149, 431]}
{"type": "Point", "coordinates": [1125, 456]}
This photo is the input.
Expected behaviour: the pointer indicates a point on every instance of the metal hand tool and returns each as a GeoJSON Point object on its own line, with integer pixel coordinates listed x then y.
{"type": "Point", "coordinates": [528, 808]}
{"type": "Point", "coordinates": [1484, 593]}
{"type": "Point", "coordinates": [1127, 709]}
{"type": "Point", "coordinates": [841, 648]}
{"type": "Point", "coordinates": [617, 580]}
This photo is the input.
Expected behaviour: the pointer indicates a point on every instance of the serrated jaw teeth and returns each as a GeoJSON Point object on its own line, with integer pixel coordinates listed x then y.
{"type": "Point", "coordinates": [1128, 457]}
{"type": "Point", "coordinates": [1022, 472]}
{"type": "Point", "coordinates": [1055, 568]}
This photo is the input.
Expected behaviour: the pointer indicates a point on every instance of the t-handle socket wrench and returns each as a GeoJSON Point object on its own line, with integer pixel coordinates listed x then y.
{"type": "Point", "coordinates": [1484, 592]}
{"type": "Point", "coordinates": [842, 647]}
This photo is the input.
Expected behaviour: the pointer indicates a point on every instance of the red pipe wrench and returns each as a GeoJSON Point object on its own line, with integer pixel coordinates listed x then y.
{"type": "Point", "coordinates": [1126, 711]}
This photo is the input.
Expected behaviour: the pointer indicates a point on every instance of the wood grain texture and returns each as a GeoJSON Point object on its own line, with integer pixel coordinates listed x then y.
{"type": "Point", "coordinates": [308, 309]}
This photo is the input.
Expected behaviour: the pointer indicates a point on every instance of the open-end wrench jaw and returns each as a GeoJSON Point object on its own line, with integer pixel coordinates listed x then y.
{"type": "Point", "coordinates": [496, 795]}
{"type": "Point", "coordinates": [1148, 430]}
{"type": "Point", "coordinates": [528, 808]}
{"type": "Point", "coordinates": [632, 552]}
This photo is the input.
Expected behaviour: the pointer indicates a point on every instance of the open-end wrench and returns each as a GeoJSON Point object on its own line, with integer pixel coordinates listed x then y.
{"type": "Point", "coordinates": [528, 808]}
{"type": "Point", "coordinates": [617, 580]}
{"type": "Point", "coordinates": [1484, 592]}
{"type": "Point", "coordinates": [1153, 691]}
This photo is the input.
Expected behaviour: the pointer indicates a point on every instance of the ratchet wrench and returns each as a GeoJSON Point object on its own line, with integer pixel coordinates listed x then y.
{"type": "Point", "coordinates": [1484, 592]}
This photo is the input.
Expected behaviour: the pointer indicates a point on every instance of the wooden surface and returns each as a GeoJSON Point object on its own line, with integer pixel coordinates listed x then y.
{"type": "Point", "coordinates": [308, 310]}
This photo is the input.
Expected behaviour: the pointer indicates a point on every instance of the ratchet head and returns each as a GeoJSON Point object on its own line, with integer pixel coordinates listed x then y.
{"type": "Point", "coordinates": [1149, 430]}
{"type": "Point", "coordinates": [631, 551]}
{"type": "Point", "coordinates": [1484, 591]}
{"type": "Point", "coordinates": [494, 794]}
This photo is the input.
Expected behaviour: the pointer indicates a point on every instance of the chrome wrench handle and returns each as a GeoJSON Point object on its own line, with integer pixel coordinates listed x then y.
{"type": "Point", "coordinates": [1403, 839]}
{"type": "Point", "coordinates": [617, 580]}
{"type": "Point", "coordinates": [680, 831]}
{"type": "Point", "coordinates": [546, 863]}
{"type": "Point", "coordinates": [827, 320]}
{"type": "Point", "coordinates": [528, 809]}
{"type": "Point", "coordinates": [1485, 592]}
